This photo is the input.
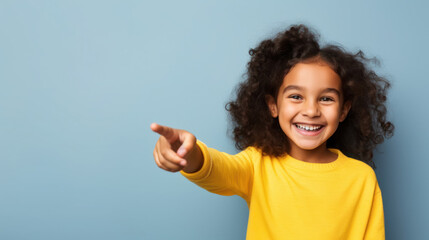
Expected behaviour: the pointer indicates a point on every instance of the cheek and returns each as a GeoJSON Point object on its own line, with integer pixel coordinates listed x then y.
{"type": "Point", "coordinates": [287, 109]}
{"type": "Point", "coordinates": [332, 115]}
{"type": "Point", "coordinates": [286, 116]}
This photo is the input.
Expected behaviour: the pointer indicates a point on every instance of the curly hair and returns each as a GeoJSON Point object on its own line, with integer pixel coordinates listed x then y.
{"type": "Point", "coordinates": [357, 136]}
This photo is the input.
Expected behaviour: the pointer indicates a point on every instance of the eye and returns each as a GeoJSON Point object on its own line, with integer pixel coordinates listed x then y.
{"type": "Point", "coordinates": [326, 99]}
{"type": "Point", "coordinates": [295, 97]}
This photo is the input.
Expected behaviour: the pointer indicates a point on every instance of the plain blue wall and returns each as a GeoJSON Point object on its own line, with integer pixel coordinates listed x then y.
{"type": "Point", "coordinates": [81, 81]}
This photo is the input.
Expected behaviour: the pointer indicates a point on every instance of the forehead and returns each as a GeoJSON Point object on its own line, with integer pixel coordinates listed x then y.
{"type": "Point", "coordinates": [312, 76]}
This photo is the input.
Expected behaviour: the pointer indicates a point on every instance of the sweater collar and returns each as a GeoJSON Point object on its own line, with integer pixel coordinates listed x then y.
{"type": "Point", "coordinates": [295, 163]}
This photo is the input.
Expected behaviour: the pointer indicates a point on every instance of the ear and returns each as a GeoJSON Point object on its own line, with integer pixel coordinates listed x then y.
{"type": "Point", "coordinates": [346, 108]}
{"type": "Point", "coordinates": [272, 106]}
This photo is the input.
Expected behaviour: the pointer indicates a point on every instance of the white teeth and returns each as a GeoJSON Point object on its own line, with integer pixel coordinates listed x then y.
{"type": "Point", "coordinates": [308, 128]}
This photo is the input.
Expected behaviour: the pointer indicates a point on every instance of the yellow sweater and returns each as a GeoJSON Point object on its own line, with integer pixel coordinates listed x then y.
{"type": "Point", "coordinates": [293, 199]}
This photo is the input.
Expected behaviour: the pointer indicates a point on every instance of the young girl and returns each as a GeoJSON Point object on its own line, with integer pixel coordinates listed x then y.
{"type": "Point", "coordinates": [302, 117]}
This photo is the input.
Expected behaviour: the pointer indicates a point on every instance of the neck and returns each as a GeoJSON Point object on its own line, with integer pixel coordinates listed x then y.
{"type": "Point", "coordinates": [318, 155]}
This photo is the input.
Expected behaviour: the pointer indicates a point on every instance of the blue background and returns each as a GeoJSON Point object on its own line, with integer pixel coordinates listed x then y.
{"type": "Point", "coordinates": [81, 81]}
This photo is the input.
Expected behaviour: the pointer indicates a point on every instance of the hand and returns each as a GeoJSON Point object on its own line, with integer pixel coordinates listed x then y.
{"type": "Point", "coordinates": [174, 149]}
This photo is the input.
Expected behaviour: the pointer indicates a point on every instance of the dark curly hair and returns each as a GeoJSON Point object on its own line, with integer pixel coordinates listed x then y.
{"type": "Point", "coordinates": [357, 136]}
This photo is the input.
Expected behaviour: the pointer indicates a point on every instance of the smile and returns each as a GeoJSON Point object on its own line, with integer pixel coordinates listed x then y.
{"type": "Point", "coordinates": [312, 128]}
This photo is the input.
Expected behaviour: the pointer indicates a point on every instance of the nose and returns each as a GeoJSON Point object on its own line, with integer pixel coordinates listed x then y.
{"type": "Point", "coordinates": [311, 109]}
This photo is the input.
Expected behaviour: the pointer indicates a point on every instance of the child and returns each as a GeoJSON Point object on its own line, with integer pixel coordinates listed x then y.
{"type": "Point", "coordinates": [300, 116]}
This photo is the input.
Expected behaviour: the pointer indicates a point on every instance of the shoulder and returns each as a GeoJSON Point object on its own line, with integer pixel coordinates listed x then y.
{"type": "Point", "coordinates": [255, 154]}
{"type": "Point", "coordinates": [252, 152]}
{"type": "Point", "coordinates": [359, 167]}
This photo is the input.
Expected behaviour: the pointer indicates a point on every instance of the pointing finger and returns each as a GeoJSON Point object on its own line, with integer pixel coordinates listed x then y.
{"type": "Point", "coordinates": [165, 131]}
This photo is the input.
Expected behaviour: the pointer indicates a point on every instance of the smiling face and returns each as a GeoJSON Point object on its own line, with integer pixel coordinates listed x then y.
{"type": "Point", "coordinates": [309, 106]}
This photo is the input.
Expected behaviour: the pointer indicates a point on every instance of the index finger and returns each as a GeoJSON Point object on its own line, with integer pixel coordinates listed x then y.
{"type": "Point", "coordinates": [165, 131]}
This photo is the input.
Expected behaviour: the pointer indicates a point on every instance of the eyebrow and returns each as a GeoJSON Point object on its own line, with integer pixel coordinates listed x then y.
{"type": "Point", "coordinates": [295, 87]}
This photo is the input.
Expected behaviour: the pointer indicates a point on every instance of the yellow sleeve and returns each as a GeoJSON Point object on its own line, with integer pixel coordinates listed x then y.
{"type": "Point", "coordinates": [375, 227]}
{"type": "Point", "coordinates": [223, 173]}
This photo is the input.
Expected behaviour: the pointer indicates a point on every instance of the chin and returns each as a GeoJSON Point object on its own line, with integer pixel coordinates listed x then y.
{"type": "Point", "coordinates": [309, 147]}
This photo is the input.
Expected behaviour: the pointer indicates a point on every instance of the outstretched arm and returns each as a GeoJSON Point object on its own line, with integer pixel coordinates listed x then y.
{"type": "Point", "coordinates": [210, 169]}
{"type": "Point", "coordinates": [176, 150]}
